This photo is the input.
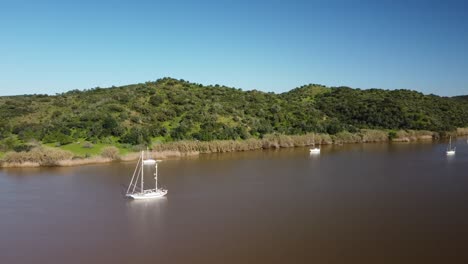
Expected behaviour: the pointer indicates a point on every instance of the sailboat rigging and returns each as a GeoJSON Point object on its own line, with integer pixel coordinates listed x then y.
{"type": "Point", "coordinates": [138, 192]}
{"type": "Point", "coordinates": [450, 150]}
{"type": "Point", "coordinates": [314, 150]}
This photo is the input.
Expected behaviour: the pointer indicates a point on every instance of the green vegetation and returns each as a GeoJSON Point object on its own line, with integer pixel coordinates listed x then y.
{"type": "Point", "coordinates": [286, 141]}
{"type": "Point", "coordinates": [168, 110]}
{"type": "Point", "coordinates": [83, 148]}
{"type": "Point", "coordinates": [399, 109]}
{"type": "Point", "coordinates": [269, 141]}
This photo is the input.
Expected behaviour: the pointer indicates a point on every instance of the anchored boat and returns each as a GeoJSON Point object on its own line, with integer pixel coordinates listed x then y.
{"type": "Point", "coordinates": [138, 192]}
{"type": "Point", "coordinates": [314, 149]}
{"type": "Point", "coordinates": [450, 150]}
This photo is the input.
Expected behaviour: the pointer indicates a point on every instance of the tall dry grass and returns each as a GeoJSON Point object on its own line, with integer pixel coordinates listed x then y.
{"type": "Point", "coordinates": [111, 153]}
{"type": "Point", "coordinates": [208, 147]}
{"type": "Point", "coordinates": [414, 135]}
{"type": "Point", "coordinates": [268, 141]}
{"type": "Point", "coordinates": [84, 161]}
{"type": "Point", "coordinates": [43, 156]}
{"type": "Point", "coordinates": [346, 137]}
{"type": "Point", "coordinates": [374, 135]}
{"type": "Point", "coordinates": [462, 131]}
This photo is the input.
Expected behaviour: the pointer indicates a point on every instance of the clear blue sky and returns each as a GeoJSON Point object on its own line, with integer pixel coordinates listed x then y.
{"type": "Point", "coordinates": [55, 46]}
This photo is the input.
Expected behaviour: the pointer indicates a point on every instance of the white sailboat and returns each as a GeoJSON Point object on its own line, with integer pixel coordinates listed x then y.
{"type": "Point", "coordinates": [314, 150]}
{"type": "Point", "coordinates": [138, 192]}
{"type": "Point", "coordinates": [450, 151]}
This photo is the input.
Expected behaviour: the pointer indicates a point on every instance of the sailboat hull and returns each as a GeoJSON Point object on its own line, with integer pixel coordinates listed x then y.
{"type": "Point", "coordinates": [148, 194]}
{"type": "Point", "coordinates": [314, 151]}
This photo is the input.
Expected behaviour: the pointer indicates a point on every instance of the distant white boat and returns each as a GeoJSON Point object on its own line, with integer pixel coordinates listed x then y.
{"type": "Point", "coordinates": [138, 192]}
{"type": "Point", "coordinates": [450, 150]}
{"type": "Point", "coordinates": [314, 150]}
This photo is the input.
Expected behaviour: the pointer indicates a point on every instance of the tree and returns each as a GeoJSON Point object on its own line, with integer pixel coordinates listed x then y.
{"type": "Point", "coordinates": [156, 100]}
{"type": "Point", "coordinates": [136, 136]}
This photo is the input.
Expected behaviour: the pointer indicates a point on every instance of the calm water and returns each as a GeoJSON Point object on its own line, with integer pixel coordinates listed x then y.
{"type": "Point", "coordinates": [373, 203]}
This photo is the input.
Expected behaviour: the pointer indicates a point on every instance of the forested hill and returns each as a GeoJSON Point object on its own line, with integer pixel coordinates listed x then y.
{"type": "Point", "coordinates": [462, 97]}
{"type": "Point", "coordinates": [170, 109]}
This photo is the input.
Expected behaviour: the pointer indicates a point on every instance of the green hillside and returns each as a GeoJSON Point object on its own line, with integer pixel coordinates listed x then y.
{"type": "Point", "coordinates": [168, 110]}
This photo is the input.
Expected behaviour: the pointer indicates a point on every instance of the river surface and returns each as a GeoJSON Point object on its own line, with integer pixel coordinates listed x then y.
{"type": "Point", "coordinates": [361, 203]}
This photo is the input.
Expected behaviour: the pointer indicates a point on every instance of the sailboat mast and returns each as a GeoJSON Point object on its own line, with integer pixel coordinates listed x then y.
{"type": "Point", "coordinates": [156, 176]}
{"type": "Point", "coordinates": [142, 171]}
{"type": "Point", "coordinates": [135, 173]}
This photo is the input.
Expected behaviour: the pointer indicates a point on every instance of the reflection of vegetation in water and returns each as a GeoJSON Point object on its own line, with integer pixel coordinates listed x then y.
{"type": "Point", "coordinates": [171, 110]}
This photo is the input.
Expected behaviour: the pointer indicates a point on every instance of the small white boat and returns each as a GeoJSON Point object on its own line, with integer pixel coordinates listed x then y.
{"type": "Point", "coordinates": [450, 150]}
{"type": "Point", "coordinates": [149, 162]}
{"type": "Point", "coordinates": [138, 192]}
{"type": "Point", "coordinates": [315, 151]}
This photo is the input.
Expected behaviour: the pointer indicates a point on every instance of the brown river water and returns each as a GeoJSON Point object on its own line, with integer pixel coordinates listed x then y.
{"type": "Point", "coordinates": [361, 203]}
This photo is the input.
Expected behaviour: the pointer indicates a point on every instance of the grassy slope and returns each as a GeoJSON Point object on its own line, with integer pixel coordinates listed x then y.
{"type": "Point", "coordinates": [78, 150]}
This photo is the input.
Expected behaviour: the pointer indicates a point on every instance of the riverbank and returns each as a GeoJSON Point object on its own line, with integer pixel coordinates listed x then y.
{"type": "Point", "coordinates": [48, 158]}
{"type": "Point", "coordinates": [43, 156]}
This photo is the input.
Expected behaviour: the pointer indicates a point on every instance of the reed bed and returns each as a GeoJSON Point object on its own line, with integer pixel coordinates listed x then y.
{"type": "Point", "coordinates": [414, 135]}
{"type": "Point", "coordinates": [111, 153]}
{"type": "Point", "coordinates": [346, 138]}
{"type": "Point", "coordinates": [26, 164]}
{"type": "Point", "coordinates": [47, 156]}
{"type": "Point", "coordinates": [130, 156]}
{"type": "Point", "coordinates": [165, 154]}
{"type": "Point", "coordinates": [207, 147]}
{"type": "Point", "coordinates": [84, 161]}
{"type": "Point", "coordinates": [267, 142]}
{"type": "Point", "coordinates": [374, 135]}
{"type": "Point", "coordinates": [462, 131]}
{"type": "Point", "coordinates": [42, 156]}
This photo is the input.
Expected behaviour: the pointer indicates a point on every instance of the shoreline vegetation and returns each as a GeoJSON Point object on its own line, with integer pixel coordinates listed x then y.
{"type": "Point", "coordinates": [46, 156]}
{"type": "Point", "coordinates": [178, 118]}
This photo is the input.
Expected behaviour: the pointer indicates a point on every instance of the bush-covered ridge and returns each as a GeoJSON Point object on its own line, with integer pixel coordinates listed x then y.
{"type": "Point", "coordinates": [169, 110]}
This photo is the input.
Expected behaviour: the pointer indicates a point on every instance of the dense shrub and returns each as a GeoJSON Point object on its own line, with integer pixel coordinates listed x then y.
{"type": "Point", "coordinates": [110, 153]}
{"type": "Point", "coordinates": [88, 145]}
